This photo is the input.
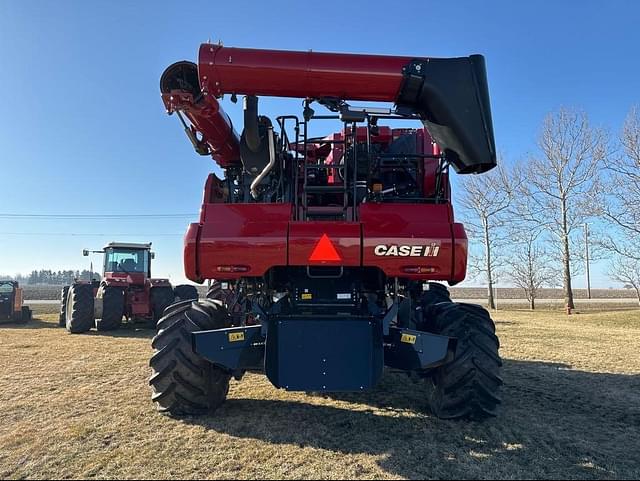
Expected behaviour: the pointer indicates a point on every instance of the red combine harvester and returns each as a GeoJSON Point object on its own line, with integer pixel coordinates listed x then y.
{"type": "Point", "coordinates": [325, 248]}
{"type": "Point", "coordinates": [126, 290]}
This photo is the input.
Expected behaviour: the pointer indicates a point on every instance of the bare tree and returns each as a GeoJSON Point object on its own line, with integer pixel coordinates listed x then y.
{"type": "Point", "coordinates": [622, 206]}
{"type": "Point", "coordinates": [627, 271]}
{"type": "Point", "coordinates": [529, 265]}
{"type": "Point", "coordinates": [485, 200]}
{"type": "Point", "coordinates": [563, 182]}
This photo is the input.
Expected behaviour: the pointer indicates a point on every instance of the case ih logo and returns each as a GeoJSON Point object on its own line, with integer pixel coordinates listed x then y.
{"type": "Point", "coordinates": [407, 251]}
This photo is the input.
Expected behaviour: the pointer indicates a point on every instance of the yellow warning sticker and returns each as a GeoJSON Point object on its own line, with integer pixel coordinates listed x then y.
{"type": "Point", "coordinates": [408, 339]}
{"type": "Point", "coordinates": [236, 336]}
{"type": "Point", "coordinates": [306, 296]}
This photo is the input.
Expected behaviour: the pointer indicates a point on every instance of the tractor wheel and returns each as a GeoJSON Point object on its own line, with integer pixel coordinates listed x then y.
{"type": "Point", "coordinates": [175, 307]}
{"type": "Point", "coordinates": [63, 306]}
{"type": "Point", "coordinates": [467, 387]}
{"type": "Point", "coordinates": [79, 313]}
{"type": "Point", "coordinates": [185, 292]}
{"type": "Point", "coordinates": [417, 312]}
{"type": "Point", "coordinates": [27, 314]}
{"type": "Point", "coordinates": [184, 383]}
{"type": "Point", "coordinates": [161, 298]}
{"type": "Point", "coordinates": [237, 308]}
{"type": "Point", "coordinates": [215, 291]}
{"type": "Point", "coordinates": [112, 309]}
{"type": "Point", "coordinates": [435, 293]}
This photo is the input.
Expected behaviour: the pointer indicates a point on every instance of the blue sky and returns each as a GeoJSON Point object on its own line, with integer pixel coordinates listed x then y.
{"type": "Point", "coordinates": [83, 129]}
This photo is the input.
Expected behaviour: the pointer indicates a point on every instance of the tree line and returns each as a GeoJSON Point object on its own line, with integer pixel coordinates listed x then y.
{"type": "Point", "coordinates": [47, 276]}
{"type": "Point", "coordinates": [529, 220]}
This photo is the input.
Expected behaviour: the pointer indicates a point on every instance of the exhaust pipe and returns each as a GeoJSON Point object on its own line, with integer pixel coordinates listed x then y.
{"type": "Point", "coordinates": [272, 161]}
{"type": "Point", "coordinates": [251, 133]}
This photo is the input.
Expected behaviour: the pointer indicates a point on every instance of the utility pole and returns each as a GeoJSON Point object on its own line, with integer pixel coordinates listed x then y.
{"type": "Point", "coordinates": [495, 292]}
{"type": "Point", "coordinates": [586, 251]}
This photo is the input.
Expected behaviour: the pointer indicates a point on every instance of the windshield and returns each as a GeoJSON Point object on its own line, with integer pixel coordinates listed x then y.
{"type": "Point", "coordinates": [6, 288]}
{"type": "Point", "coordinates": [126, 260]}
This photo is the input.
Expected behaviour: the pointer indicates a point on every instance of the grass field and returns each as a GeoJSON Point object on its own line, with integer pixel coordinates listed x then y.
{"type": "Point", "coordinates": [78, 406]}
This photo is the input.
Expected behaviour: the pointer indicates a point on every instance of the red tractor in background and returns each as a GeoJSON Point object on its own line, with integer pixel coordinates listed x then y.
{"type": "Point", "coordinates": [325, 248]}
{"type": "Point", "coordinates": [126, 290]}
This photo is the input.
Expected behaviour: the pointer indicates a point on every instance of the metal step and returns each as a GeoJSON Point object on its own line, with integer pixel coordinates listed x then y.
{"type": "Point", "coordinates": [324, 212]}
{"type": "Point", "coordinates": [324, 166]}
{"type": "Point", "coordinates": [325, 189]}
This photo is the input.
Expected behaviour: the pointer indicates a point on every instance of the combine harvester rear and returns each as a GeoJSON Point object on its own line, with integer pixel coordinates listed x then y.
{"type": "Point", "coordinates": [325, 249]}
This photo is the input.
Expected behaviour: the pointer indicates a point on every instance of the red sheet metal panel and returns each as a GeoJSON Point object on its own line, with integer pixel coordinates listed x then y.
{"type": "Point", "coordinates": [309, 243]}
{"type": "Point", "coordinates": [251, 236]}
{"type": "Point", "coordinates": [412, 240]}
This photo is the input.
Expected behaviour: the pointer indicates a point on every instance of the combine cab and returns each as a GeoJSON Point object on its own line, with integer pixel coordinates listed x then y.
{"type": "Point", "coordinates": [126, 291]}
{"type": "Point", "coordinates": [11, 303]}
{"type": "Point", "coordinates": [325, 248]}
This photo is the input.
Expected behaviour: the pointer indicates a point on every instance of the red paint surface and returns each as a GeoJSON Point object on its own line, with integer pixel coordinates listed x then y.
{"type": "Point", "coordinates": [280, 73]}
{"type": "Point", "coordinates": [209, 119]}
{"type": "Point", "coordinates": [253, 235]}
{"type": "Point", "coordinates": [261, 236]}
{"type": "Point", "coordinates": [412, 225]}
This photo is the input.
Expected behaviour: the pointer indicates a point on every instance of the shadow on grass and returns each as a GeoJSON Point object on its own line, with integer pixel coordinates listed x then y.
{"type": "Point", "coordinates": [34, 323]}
{"type": "Point", "coordinates": [555, 423]}
{"type": "Point", "coordinates": [128, 329]}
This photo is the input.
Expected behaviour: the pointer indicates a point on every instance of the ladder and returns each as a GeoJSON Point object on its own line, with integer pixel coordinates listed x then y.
{"type": "Point", "coordinates": [338, 189]}
{"type": "Point", "coordinates": [303, 195]}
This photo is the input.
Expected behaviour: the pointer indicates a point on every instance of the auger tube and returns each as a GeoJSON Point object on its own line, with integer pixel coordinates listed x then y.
{"type": "Point", "coordinates": [449, 95]}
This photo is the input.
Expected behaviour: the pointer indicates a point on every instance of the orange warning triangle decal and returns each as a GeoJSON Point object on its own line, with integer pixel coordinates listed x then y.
{"type": "Point", "coordinates": [325, 251]}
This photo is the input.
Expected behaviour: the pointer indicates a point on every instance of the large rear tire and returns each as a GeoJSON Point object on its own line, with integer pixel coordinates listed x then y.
{"type": "Point", "coordinates": [161, 298]}
{"type": "Point", "coordinates": [415, 310]}
{"type": "Point", "coordinates": [79, 313]}
{"type": "Point", "coordinates": [185, 292]}
{"type": "Point", "coordinates": [468, 386]}
{"type": "Point", "coordinates": [184, 383]}
{"type": "Point", "coordinates": [435, 293]}
{"type": "Point", "coordinates": [216, 292]}
{"type": "Point", "coordinates": [62, 320]}
{"type": "Point", "coordinates": [112, 309]}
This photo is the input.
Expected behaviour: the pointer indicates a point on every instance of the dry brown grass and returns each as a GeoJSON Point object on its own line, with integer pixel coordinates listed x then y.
{"type": "Point", "coordinates": [78, 406]}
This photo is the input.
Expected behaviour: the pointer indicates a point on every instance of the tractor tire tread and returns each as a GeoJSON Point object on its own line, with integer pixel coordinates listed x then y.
{"type": "Point", "coordinates": [468, 386]}
{"type": "Point", "coordinates": [62, 318]}
{"type": "Point", "coordinates": [184, 383]}
{"type": "Point", "coordinates": [112, 309]}
{"type": "Point", "coordinates": [81, 298]}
